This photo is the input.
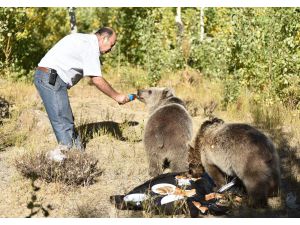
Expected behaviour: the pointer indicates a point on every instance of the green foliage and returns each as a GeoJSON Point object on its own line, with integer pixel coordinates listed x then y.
{"type": "Point", "coordinates": [257, 49]}
{"type": "Point", "coordinates": [246, 48]}
{"type": "Point", "coordinates": [26, 34]}
{"type": "Point", "coordinates": [147, 37]}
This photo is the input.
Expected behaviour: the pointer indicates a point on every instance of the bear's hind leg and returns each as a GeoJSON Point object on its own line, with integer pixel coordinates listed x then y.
{"type": "Point", "coordinates": [257, 190]}
{"type": "Point", "coordinates": [179, 164]}
{"type": "Point", "coordinates": [155, 165]}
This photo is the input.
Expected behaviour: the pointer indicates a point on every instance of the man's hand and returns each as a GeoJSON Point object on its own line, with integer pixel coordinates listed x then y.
{"type": "Point", "coordinates": [122, 99]}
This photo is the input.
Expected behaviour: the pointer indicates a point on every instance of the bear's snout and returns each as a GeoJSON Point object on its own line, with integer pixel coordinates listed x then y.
{"type": "Point", "coordinates": [139, 93]}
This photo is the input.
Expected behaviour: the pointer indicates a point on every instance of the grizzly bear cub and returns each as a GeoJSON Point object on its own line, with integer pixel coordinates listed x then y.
{"type": "Point", "coordinates": [168, 131]}
{"type": "Point", "coordinates": [237, 150]}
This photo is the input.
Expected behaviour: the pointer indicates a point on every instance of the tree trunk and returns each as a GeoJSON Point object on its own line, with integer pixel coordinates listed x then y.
{"type": "Point", "coordinates": [201, 24]}
{"type": "Point", "coordinates": [179, 22]}
{"type": "Point", "coordinates": [72, 19]}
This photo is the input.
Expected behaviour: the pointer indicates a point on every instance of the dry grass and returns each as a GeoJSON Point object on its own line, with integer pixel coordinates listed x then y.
{"type": "Point", "coordinates": [113, 137]}
{"type": "Point", "coordinates": [179, 209]}
{"type": "Point", "coordinates": [79, 169]}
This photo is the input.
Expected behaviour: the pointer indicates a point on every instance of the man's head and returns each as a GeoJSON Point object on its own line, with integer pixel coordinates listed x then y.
{"type": "Point", "coordinates": [106, 38]}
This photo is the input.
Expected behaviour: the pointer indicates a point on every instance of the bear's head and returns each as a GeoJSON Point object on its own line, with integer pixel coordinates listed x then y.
{"type": "Point", "coordinates": [211, 123]}
{"type": "Point", "coordinates": [154, 96]}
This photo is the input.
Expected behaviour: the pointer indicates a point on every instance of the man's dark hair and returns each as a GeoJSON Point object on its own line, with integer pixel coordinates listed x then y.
{"type": "Point", "coordinates": [105, 30]}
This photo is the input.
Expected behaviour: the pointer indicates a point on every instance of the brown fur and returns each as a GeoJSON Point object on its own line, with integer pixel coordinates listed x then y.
{"type": "Point", "coordinates": [237, 150]}
{"type": "Point", "coordinates": [167, 132]}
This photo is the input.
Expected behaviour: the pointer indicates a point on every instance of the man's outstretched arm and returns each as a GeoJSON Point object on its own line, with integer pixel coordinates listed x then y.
{"type": "Point", "coordinates": [107, 89]}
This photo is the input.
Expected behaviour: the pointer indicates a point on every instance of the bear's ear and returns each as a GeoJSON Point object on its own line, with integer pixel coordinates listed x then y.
{"type": "Point", "coordinates": [168, 92]}
{"type": "Point", "coordinates": [217, 120]}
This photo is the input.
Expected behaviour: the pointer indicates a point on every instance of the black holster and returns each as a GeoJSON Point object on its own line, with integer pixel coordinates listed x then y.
{"type": "Point", "coordinates": [52, 77]}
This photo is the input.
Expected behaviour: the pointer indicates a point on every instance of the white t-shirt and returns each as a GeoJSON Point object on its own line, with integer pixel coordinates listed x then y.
{"type": "Point", "coordinates": [74, 56]}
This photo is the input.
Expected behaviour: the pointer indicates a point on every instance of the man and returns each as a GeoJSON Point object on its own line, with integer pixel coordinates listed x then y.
{"type": "Point", "coordinates": [73, 57]}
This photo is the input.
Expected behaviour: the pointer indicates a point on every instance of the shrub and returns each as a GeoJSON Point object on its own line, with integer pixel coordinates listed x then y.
{"type": "Point", "coordinates": [79, 169]}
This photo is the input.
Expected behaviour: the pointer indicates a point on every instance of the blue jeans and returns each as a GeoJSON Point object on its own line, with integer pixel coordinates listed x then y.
{"type": "Point", "coordinates": [57, 104]}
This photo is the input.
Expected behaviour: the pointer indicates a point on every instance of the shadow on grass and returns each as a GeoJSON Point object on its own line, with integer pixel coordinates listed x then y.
{"type": "Point", "coordinates": [34, 206]}
{"type": "Point", "coordinates": [90, 130]}
{"type": "Point", "coordinates": [4, 114]}
{"type": "Point", "coordinates": [4, 109]}
{"type": "Point", "coordinates": [289, 167]}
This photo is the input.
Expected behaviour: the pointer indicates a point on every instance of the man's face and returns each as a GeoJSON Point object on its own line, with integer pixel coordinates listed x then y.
{"type": "Point", "coordinates": [107, 43]}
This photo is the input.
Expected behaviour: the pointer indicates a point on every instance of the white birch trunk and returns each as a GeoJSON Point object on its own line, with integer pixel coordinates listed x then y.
{"type": "Point", "coordinates": [179, 21]}
{"type": "Point", "coordinates": [201, 24]}
{"type": "Point", "coordinates": [72, 19]}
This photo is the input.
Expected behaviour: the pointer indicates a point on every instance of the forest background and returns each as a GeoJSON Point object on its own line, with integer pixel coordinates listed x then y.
{"type": "Point", "coordinates": [252, 48]}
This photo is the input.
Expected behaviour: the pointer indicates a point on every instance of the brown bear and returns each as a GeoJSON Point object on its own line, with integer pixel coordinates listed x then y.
{"type": "Point", "coordinates": [237, 150]}
{"type": "Point", "coordinates": [168, 131]}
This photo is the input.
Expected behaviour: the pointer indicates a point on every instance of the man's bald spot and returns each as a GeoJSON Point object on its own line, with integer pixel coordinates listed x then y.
{"type": "Point", "coordinates": [106, 31]}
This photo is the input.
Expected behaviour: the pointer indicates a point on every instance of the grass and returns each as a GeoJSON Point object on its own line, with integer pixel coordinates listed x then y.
{"type": "Point", "coordinates": [87, 210]}
{"type": "Point", "coordinates": [152, 210]}
{"type": "Point", "coordinates": [113, 137]}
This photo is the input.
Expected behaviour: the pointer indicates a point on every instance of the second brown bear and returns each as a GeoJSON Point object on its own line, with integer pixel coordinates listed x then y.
{"type": "Point", "coordinates": [237, 150]}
